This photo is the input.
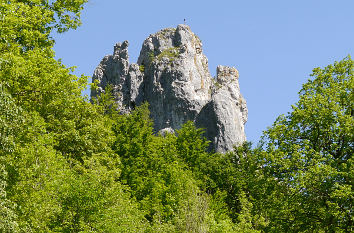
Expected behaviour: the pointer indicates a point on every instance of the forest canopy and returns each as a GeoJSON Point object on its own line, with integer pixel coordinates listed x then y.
{"type": "Point", "coordinates": [68, 165]}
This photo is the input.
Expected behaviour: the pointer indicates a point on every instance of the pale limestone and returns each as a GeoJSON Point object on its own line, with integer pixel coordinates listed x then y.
{"type": "Point", "coordinates": [172, 75]}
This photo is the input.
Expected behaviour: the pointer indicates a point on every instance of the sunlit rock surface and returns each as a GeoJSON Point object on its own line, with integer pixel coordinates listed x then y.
{"type": "Point", "coordinates": [172, 75]}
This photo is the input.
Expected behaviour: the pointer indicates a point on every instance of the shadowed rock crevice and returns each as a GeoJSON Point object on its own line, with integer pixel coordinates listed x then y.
{"type": "Point", "coordinates": [172, 75]}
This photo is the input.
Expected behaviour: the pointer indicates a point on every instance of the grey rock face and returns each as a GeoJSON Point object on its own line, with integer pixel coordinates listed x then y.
{"type": "Point", "coordinates": [114, 70]}
{"type": "Point", "coordinates": [225, 115]}
{"type": "Point", "coordinates": [172, 75]}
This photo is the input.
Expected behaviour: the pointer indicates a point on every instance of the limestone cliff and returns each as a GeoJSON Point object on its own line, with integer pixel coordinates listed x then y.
{"type": "Point", "coordinates": [172, 75]}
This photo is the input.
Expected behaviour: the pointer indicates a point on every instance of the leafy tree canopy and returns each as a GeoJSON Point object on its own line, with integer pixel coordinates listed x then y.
{"type": "Point", "coordinates": [309, 153]}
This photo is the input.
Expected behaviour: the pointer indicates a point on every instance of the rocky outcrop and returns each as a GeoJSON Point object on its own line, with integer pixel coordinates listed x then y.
{"type": "Point", "coordinates": [172, 75]}
{"type": "Point", "coordinates": [225, 115]}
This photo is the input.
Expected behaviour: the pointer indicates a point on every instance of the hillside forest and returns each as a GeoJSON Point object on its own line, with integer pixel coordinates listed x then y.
{"type": "Point", "coordinates": [69, 165]}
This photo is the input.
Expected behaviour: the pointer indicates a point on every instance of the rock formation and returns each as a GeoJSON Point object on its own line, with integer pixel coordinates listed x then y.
{"type": "Point", "coordinates": [172, 75]}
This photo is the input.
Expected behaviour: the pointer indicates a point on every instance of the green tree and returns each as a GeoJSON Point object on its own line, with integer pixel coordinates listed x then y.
{"type": "Point", "coordinates": [239, 186]}
{"type": "Point", "coordinates": [165, 175]}
{"type": "Point", "coordinates": [39, 83]}
{"type": "Point", "coordinates": [150, 166]}
{"type": "Point", "coordinates": [10, 120]}
{"type": "Point", "coordinates": [26, 24]}
{"type": "Point", "coordinates": [57, 169]}
{"type": "Point", "coordinates": [309, 155]}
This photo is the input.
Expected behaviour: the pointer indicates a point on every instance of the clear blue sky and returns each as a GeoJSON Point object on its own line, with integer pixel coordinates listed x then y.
{"type": "Point", "coordinates": [274, 44]}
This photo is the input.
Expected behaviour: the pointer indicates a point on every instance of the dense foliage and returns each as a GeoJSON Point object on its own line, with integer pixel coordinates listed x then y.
{"type": "Point", "coordinates": [309, 152]}
{"type": "Point", "coordinates": [68, 165]}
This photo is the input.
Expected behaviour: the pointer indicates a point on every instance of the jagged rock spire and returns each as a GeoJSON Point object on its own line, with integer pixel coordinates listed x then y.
{"type": "Point", "coordinates": [172, 75]}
